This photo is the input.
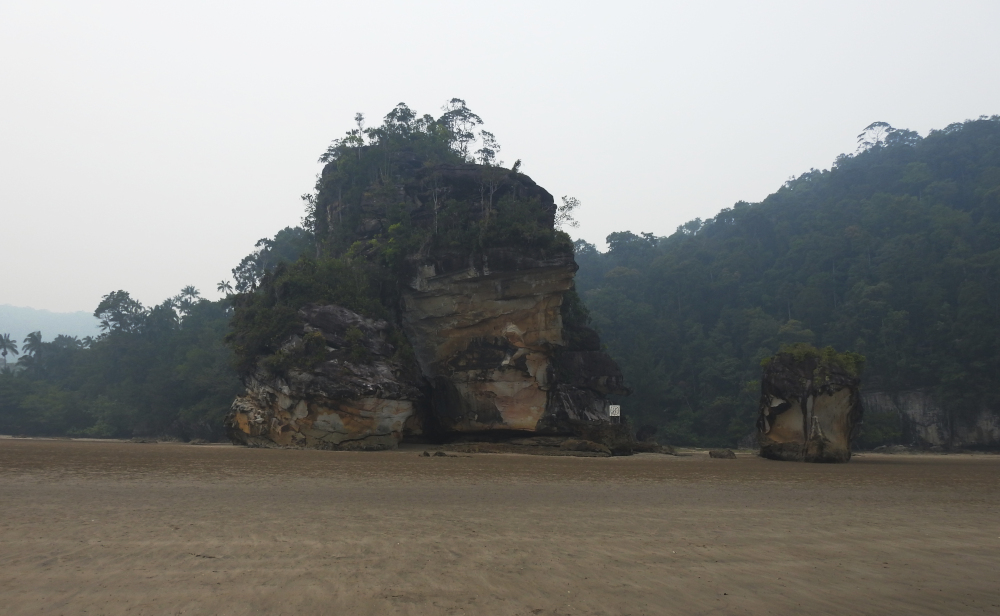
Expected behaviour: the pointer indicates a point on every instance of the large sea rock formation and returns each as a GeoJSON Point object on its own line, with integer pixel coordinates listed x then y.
{"type": "Point", "coordinates": [491, 353]}
{"type": "Point", "coordinates": [809, 409]}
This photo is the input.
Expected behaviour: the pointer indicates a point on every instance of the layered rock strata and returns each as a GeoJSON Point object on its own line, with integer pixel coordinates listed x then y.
{"type": "Point", "coordinates": [488, 334]}
{"type": "Point", "coordinates": [358, 397]}
{"type": "Point", "coordinates": [808, 410]}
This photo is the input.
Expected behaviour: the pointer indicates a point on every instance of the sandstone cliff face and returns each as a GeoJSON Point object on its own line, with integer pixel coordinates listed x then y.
{"type": "Point", "coordinates": [923, 422]}
{"type": "Point", "coordinates": [358, 397]}
{"type": "Point", "coordinates": [808, 411]}
{"type": "Point", "coordinates": [489, 336]}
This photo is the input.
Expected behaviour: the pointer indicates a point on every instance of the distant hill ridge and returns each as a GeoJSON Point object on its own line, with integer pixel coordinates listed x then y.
{"type": "Point", "coordinates": [19, 321]}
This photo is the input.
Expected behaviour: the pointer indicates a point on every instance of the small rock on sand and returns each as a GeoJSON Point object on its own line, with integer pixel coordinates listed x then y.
{"type": "Point", "coordinates": [725, 454]}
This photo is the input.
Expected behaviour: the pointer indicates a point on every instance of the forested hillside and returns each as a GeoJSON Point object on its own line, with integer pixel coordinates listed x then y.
{"type": "Point", "coordinates": [893, 253]}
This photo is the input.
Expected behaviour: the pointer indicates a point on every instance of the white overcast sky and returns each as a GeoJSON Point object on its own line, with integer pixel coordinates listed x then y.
{"type": "Point", "coordinates": [147, 145]}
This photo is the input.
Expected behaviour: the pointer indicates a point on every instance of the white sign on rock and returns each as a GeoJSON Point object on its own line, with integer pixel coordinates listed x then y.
{"type": "Point", "coordinates": [615, 410]}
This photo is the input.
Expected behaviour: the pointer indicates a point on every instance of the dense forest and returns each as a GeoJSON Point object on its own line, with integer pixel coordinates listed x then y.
{"type": "Point", "coordinates": [893, 253]}
{"type": "Point", "coordinates": [162, 371]}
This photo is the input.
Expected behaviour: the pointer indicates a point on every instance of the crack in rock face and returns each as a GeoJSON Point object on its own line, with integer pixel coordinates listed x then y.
{"type": "Point", "coordinates": [809, 410]}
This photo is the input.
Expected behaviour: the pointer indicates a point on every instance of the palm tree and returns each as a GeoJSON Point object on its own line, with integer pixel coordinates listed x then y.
{"type": "Point", "coordinates": [225, 287]}
{"type": "Point", "coordinates": [63, 341]}
{"type": "Point", "coordinates": [32, 343]}
{"type": "Point", "coordinates": [184, 300]}
{"type": "Point", "coordinates": [7, 346]}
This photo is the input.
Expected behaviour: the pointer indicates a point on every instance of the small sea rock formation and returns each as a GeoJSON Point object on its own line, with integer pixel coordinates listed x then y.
{"type": "Point", "coordinates": [810, 405]}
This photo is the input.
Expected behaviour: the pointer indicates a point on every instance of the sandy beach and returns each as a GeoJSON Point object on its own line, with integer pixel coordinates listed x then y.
{"type": "Point", "coordinates": [164, 528]}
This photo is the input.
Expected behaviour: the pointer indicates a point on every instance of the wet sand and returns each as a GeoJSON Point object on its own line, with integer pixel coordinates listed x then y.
{"type": "Point", "coordinates": [123, 528]}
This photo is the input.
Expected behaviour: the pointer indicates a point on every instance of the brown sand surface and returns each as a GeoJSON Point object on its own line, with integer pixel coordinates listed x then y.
{"type": "Point", "coordinates": [123, 528]}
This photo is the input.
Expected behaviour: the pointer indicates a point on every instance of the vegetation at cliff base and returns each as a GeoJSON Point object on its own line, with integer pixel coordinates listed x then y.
{"type": "Point", "coordinates": [893, 253]}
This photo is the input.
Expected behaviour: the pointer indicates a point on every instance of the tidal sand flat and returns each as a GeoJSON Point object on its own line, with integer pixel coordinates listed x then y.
{"type": "Point", "coordinates": [126, 528]}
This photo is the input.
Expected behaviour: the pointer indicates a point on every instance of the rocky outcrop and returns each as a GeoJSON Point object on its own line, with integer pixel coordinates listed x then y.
{"type": "Point", "coordinates": [491, 356]}
{"type": "Point", "coordinates": [809, 410]}
{"type": "Point", "coordinates": [482, 312]}
{"type": "Point", "coordinates": [923, 423]}
{"type": "Point", "coordinates": [358, 396]}
{"type": "Point", "coordinates": [488, 334]}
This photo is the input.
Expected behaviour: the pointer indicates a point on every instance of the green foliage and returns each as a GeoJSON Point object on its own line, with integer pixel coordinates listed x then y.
{"type": "Point", "coordinates": [523, 223]}
{"type": "Point", "coordinates": [880, 428]}
{"type": "Point", "coordinates": [7, 346]}
{"type": "Point", "coordinates": [287, 245]}
{"type": "Point", "coordinates": [378, 181]}
{"type": "Point", "coordinates": [574, 311]}
{"type": "Point", "coordinates": [118, 312]}
{"type": "Point", "coordinates": [827, 357]}
{"type": "Point", "coordinates": [365, 168]}
{"type": "Point", "coordinates": [355, 342]}
{"type": "Point", "coordinates": [263, 320]}
{"type": "Point", "coordinates": [301, 354]}
{"type": "Point", "coordinates": [894, 253]}
{"type": "Point", "coordinates": [157, 371]}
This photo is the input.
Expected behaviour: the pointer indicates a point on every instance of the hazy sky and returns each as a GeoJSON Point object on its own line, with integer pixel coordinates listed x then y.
{"type": "Point", "coordinates": [147, 145]}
